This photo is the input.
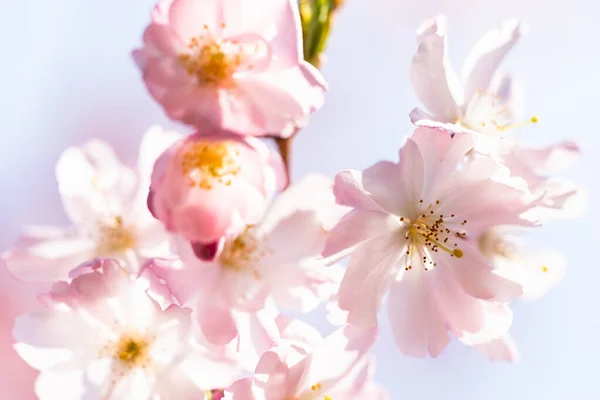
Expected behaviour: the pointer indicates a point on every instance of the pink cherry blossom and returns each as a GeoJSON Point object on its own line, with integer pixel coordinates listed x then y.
{"type": "Point", "coordinates": [104, 337]}
{"type": "Point", "coordinates": [413, 231]}
{"type": "Point", "coordinates": [275, 259]}
{"type": "Point", "coordinates": [209, 186]}
{"type": "Point", "coordinates": [336, 368]}
{"type": "Point", "coordinates": [488, 102]}
{"type": "Point", "coordinates": [483, 101]}
{"type": "Point", "coordinates": [231, 65]}
{"type": "Point", "coordinates": [105, 201]}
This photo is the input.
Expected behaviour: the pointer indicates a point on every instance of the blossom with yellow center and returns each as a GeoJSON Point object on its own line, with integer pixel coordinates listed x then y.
{"type": "Point", "coordinates": [206, 163]}
{"type": "Point", "coordinates": [115, 238]}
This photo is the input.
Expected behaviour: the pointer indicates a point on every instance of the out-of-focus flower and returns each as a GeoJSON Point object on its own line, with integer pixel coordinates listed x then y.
{"type": "Point", "coordinates": [231, 65]}
{"type": "Point", "coordinates": [106, 201]}
{"type": "Point", "coordinates": [481, 103]}
{"type": "Point", "coordinates": [104, 337]}
{"type": "Point", "coordinates": [337, 368]}
{"type": "Point", "coordinates": [537, 269]}
{"type": "Point", "coordinates": [210, 186]}
{"type": "Point", "coordinates": [414, 229]}
{"type": "Point", "coordinates": [276, 258]}
{"type": "Point", "coordinates": [487, 102]}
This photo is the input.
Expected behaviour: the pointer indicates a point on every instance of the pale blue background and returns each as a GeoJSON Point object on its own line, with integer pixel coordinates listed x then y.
{"type": "Point", "coordinates": [66, 75]}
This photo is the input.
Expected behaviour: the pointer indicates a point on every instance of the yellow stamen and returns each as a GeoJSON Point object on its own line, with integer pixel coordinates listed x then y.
{"type": "Point", "coordinates": [133, 351]}
{"type": "Point", "coordinates": [532, 120]}
{"type": "Point", "coordinates": [114, 238]}
{"type": "Point", "coordinates": [544, 269]}
{"type": "Point", "coordinates": [206, 163]}
{"type": "Point", "coordinates": [243, 253]}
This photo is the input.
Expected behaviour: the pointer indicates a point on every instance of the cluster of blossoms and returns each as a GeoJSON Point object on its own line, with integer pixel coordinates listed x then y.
{"type": "Point", "coordinates": [173, 280]}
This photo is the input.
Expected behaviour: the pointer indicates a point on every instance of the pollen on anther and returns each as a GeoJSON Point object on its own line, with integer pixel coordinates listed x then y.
{"type": "Point", "coordinates": [544, 269]}
{"type": "Point", "coordinates": [458, 253]}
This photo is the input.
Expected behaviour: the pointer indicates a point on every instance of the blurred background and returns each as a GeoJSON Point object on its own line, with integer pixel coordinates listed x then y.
{"type": "Point", "coordinates": [67, 76]}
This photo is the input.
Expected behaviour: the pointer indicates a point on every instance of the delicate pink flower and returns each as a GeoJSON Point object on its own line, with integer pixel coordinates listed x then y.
{"type": "Point", "coordinates": [230, 65]}
{"type": "Point", "coordinates": [335, 369]}
{"type": "Point", "coordinates": [275, 259]}
{"type": "Point", "coordinates": [482, 102]}
{"type": "Point", "coordinates": [487, 102]}
{"type": "Point", "coordinates": [414, 230]}
{"type": "Point", "coordinates": [105, 200]}
{"type": "Point", "coordinates": [209, 186]}
{"type": "Point", "coordinates": [104, 337]}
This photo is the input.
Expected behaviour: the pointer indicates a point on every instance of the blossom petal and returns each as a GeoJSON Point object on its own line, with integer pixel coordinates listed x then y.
{"type": "Point", "coordinates": [48, 261]}
{"type": "Point", "coordinates": [349, 191]}
{"type": "Point", "coordinates": [369, 275]}
{"type": "Point", "coordinates": [358, 226]}
{"type": "Point", "coordinates": [442, 148]}
{"type": "Point", "coordinates": [487, 54]}
{"type": "Point", "coordinates": [502, 349]}
{"type": "Point", "coordinates": [477, 276]}
{"type": "Point", "coordinates": [190, 18]}
{"type": "Point", "coordinates": [216, 322]}
{"type": "Point", "coordinates": [433, 79]}
{"type": "Point", "coordinates": [46, 338]}
{"type": "Point", "coordinates": [416, 322]}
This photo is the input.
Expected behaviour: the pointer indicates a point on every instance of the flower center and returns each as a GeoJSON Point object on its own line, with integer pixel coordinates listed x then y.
{"type": "Point", "coordinates": [487, 113]}
{"type": "Point", "coordinates": [214, 62]}
{"type": "Point", "coordinates": [133, 350]}
{"type": "Point", "coordinates": [114, 238]}
{"type": "Point", "coordinates": [243, 253]}
{"type": "Point", "coordinates": [429, 233]}
{"type": "Point", "coordinates": [206, 163]}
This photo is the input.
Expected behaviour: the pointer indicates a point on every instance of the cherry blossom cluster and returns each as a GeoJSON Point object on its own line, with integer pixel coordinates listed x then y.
{"type": "Point", "coordinates": [177, 278]}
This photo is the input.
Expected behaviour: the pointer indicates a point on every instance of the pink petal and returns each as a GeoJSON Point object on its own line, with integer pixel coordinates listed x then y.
{"type": "Point", "coordinates": [369, 275]}
{"type": "Point", "coordinates": [358, 226]}
{"type": "Point", "coordinates": [487, 54]}
{"type": "Point", "coordinates": [477, 277]}
{"type": "Point", "coordinates": [190, 18]}
{"type": "Point", "coordinates": [461, 311]}
{"type": "Point", "coordinates": [502, 349]}
{"type": "Point", "coordinates": [216, 322]}
{"type": "Point", "coordinates": [282, 367]}
{"type": "Point", "coordinates": [279, 23]}
{"type": "Point", "coordinates": [490, 203]}
{"type": "Point", "coordinates": [339, 354]}
{"type": "Point", "coordinates": [162, 40]}
{"type": "Point", "coordinates": [241, 390]}
{"type": "Point", "coordinates": [417, 115]}
{"type": "Point", "coordinates": [267, 107]}
{"type": "Point", "coordinates": [349, 191]}
{"type": "Point", "coordinates": [442, 149]}
{"type": "Point", "coordinates": [48, 261]}
{"type": "Point", "coordinates": [432, 78]}
{"type": "Point", "coordinates": [417, 325]}
{"type": "Point", "coordinates": [50, 337]}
